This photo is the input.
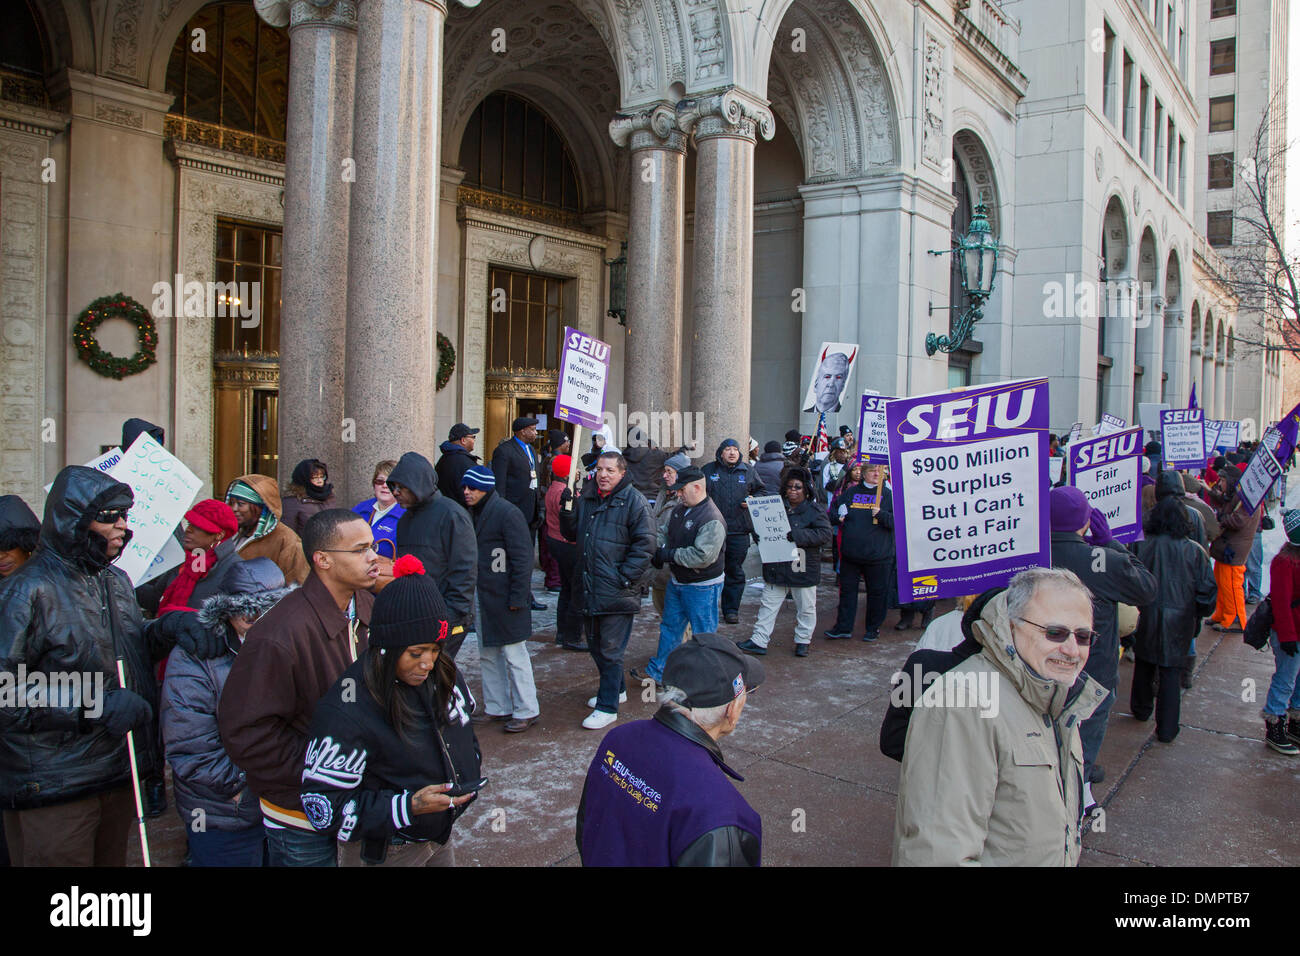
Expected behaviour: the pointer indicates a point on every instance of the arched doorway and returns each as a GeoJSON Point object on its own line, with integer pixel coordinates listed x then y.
{"type": "Point", "coordinates": [1112, 305]}
{"type": "Point", "coordinates": [1171, 386]}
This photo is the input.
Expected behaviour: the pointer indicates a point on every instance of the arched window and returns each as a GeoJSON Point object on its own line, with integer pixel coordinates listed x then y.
{"type": "Point", "coordinates": [510, 147]}
{"type": "Point", "coordinates": [230, 69]}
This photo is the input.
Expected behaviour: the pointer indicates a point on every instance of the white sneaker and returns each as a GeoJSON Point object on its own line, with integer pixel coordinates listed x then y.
{"type": "Point", "coordinates": [622, 699]}
{"type": "Point", "coordinates": [598, 719]}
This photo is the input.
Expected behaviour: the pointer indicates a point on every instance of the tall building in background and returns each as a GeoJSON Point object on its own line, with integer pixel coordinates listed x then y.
{"type": "Point", "coordinates": [1241, 63]}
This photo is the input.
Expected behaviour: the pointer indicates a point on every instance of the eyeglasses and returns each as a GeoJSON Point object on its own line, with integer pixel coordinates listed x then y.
{"type": "Point", "coordinates": [1057, 634]}
{"type": "Point", "coordinates": [357, 551]}
{"type": "Point", "coordinates": [380, 481]}
{"type": "Point", "coordinates": [112, 516]}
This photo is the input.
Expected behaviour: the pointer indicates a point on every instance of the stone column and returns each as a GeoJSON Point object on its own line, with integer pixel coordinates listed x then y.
{"type": "Point", "coordinates": [1150, 348]}
{"type": "Point", "coordinates": [392, 244]}
{"type": "Point", "coordinates": [1205, 398]}
{"type": "Point", "coordinates": [313, 295]}
{"type": "Point", "coordinates": [725, 126]}
{"type": "Point", "coordinates": [656, 225]}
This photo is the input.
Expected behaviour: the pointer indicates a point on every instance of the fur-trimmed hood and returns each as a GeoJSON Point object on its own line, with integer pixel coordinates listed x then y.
{"type": "Point", "coordinates": [250, 588]}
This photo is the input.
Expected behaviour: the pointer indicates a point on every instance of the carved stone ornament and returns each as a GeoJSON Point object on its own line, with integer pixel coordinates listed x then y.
{"type": "Point", "coordinates": [932, 138]}
{"type": "Point", "coordinates": [292, 13]}
{"type": "Point", "coordinates": [1099, 163]}
{"type": "Point", "coordinates": [648, 129]}
{"type": "Point", "coordinates": [726, 113]}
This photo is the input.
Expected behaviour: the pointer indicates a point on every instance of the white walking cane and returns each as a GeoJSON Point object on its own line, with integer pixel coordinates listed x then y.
{"type": "Point", "coordinates": [135, 775]}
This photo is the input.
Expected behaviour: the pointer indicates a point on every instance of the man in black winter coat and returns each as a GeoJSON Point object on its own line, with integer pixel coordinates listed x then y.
{"type": "Point", "coordinates": [68, 615]}
{"type": "Point", "coordinates": [457, 458]}
{"type": "Point", "coordinates": [441, 535]}
{"type": "Point", "coordinates": [730, 481]}
{"type": "Point", "coordinates": [610, 522]}
{"type": "Point", "coordinates": [505, 565]}
{"type": "Point", "coordinates": [865, 511]}
{"type": "Point", "coordinates": [645, 461]}
{"type": "Point", "coordinates": [520, 480]}
{"type": "Point", "coordinates": [1113, 575]}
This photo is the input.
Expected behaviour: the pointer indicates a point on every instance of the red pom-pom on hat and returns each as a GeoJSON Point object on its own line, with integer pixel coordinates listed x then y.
{"type": "Point", "coordinates": [407, 564]}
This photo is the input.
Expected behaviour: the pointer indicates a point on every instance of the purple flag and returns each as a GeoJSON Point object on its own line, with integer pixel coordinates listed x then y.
{"type": "Point", "coordinates": [1191, 402]}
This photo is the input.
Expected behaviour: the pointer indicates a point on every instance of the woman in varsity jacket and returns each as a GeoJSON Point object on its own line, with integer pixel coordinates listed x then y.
{"type": "Point", "coordinates": [394, 735]}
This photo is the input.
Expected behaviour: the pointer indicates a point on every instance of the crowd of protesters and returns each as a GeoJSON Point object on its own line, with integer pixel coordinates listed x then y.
{"type": "Point", "coordinates": [299, 674]}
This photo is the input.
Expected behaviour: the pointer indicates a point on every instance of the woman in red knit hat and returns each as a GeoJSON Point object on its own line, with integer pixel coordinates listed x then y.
{"type": "Point", "coordinates": [207, 524]}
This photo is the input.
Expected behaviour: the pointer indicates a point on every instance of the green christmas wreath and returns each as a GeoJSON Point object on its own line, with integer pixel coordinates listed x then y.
{"type": "Point", "coordinates": [119, 306]}
{"type": "Point", "coordinates": [446, 361]}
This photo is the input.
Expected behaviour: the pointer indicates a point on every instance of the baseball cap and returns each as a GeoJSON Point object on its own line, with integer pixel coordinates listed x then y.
{"type": "Point", "coordinates": [521, 423]}
{"type": "Point", "coordinates": [712, 671]}
{"type": "Point", "coordinates": [685, 476]}
{"type": "Point", "coordinates": [459, 431]}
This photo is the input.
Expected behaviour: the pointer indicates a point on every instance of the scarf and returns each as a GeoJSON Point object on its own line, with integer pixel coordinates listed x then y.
{"type": "Point", "coordinates": [177, 595]}
{"type": "Point", "coordinates": [266, 523]}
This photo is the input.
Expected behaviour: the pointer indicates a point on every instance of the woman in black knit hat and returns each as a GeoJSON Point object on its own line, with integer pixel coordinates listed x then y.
{"type": "Point", "coordinates": [394, 735]}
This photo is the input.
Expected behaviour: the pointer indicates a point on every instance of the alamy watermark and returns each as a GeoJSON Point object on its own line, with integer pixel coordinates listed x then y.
{"type": "Point", "coordinates": [82, 690]}
{"type": "Point", "coordinates": [922, 688]}
{"type": "Point", "coordinates": [208, 300]}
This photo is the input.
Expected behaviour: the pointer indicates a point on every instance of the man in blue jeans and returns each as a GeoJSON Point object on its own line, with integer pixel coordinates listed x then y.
{"type": "Point", "coordinates": [691, 544]}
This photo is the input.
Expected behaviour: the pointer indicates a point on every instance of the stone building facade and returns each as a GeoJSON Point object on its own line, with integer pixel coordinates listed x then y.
{"type": "Point", "coordinates": [399, 176]}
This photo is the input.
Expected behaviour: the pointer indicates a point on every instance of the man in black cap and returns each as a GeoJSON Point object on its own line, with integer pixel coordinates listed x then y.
{"type": "Point", "coordinates": [657, 792]}
{"type": "Point", "coordinates": [691, 545]}
{"type": "Point", "coordinates": [518, 474]}
{"type": "Point", "coordinates": [456, 459]}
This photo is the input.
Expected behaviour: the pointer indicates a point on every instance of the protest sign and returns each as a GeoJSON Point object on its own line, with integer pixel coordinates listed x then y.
{"type": "Point", "coordinates": [1055, 468]}
{"type": "Point", "coordinates": [830, 378]}
{"type": "Point", "coordinates": [104, 463]}
{"type": "Point", "coordinates": [1212, 430]}
{"type": "Point", "coordinates": [970, 508]}
{"type": "Point", "coordinates": [171, 555]}
{"type": "Point", "coordinates": [1258, 478]}
{"type": "Point", "coordinates": [584, 374]}
{"type": "Point", "coordinates": [1271, 439]}
{"type": "Point", "coordinates": [1110, 424]}
{"type": "Point", "coordinates": [1229, 435]}
{"type": "Point", "coordinates": [1108, 470]}
{"type": "Point", "coordinates": [1076, 430]}
{"type": "Point", "coordinates": [1182, 437]}
{"type": "Point", "coordinates": [164, 489]}
{"type": "Point", "coordinates": [1149, 415]}
{"type": "Point", "coordinates": [873, 439]}
{"type": "Point", "coordinates": [771, 524]}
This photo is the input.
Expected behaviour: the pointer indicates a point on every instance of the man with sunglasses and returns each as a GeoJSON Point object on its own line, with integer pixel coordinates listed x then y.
{"type": "Point", "coordinates": [66, 616]}
{"type": "Point", "coordinates": [291, 657]}
{"type": "Point", "coordinates": [995, 778]}
{"type": "Point", "coordinates": [1081, 543]}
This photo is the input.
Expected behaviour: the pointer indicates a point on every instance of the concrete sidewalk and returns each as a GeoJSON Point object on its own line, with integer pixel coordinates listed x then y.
{"type": "Point", "coordinates": [808, 749]}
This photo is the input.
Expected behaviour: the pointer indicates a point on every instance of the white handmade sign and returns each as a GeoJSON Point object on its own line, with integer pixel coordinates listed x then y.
{"type": "Point", "coordinates": [164, 490]}
{"type": "Point", "coordinates": [771, 524]}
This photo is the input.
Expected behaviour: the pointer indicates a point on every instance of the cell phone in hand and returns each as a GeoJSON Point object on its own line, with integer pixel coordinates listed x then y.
{"type": "Point", "coordinates": [467, 786]}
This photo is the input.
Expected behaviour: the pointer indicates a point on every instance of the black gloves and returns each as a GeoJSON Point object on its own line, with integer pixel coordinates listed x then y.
{"type": "Point", "coordinates": [183, 628]}
{"type": "Point", "coordinates": [789, 536]}
{"type": "Point", "coordinates": [662, 556]}
{"type": "Point", "coordinates": [1288, 647]}
{"type": "Point", "coordinates": [123, 711]}
{"type": "Point", "coordinates": [656, 561]}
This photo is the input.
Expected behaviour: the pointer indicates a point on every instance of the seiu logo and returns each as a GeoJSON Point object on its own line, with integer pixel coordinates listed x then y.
{"type": "Point", "coordinates": [1173, 416]}
{"type": "Point", "coordinates": [586, 344]}
{"type": "Point", "coordinates": [966, 417]}
{"type": "Point", "coordinates": [1117, 446]}
{"type": "Point", "coordinates": [874, 403]}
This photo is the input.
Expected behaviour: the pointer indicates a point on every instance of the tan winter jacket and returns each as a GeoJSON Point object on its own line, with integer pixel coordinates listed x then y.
{"type": "Point", "coordinates": [281, 544]}
{"type": "Point", "coordinates": [991, 790]}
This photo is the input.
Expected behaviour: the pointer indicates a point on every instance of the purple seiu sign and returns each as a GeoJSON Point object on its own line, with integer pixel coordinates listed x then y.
{"type": "Point", "coordinates": [1108, 470]}
{"type": "Point", "coordinates": [873, 438]}
{"type": "Point", "coordinates": [970, 502]}
{"type": "Point", "coordinates": [1182, 437]}
{"type": "Point", "coordinates": [584, 374]}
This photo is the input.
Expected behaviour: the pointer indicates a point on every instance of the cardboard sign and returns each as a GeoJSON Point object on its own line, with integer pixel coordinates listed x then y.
{"type": "Point", "coordinates": [771, 524]}
{"type": "Point", "coordinates": [1182, 437]}
{"type": "Point", "coordinates": [584, 374]}
{"type": "Point", "coordinates": [1229, 435]}
{"type": "Point", "coordinates": [873, 438]}
{"type": "Point", "coordinates": [1076, 430]}
{"type": "Point", "coordinates": [171, 555]}
{"type": "Point", "coordinates": [1108, 470]}
{"type": "Point", "coordinates": [164, 490]}
{"type": "Point", "coordinates": [1260, 474]}
{"type": "Point", "coordinates": [970, 507]}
